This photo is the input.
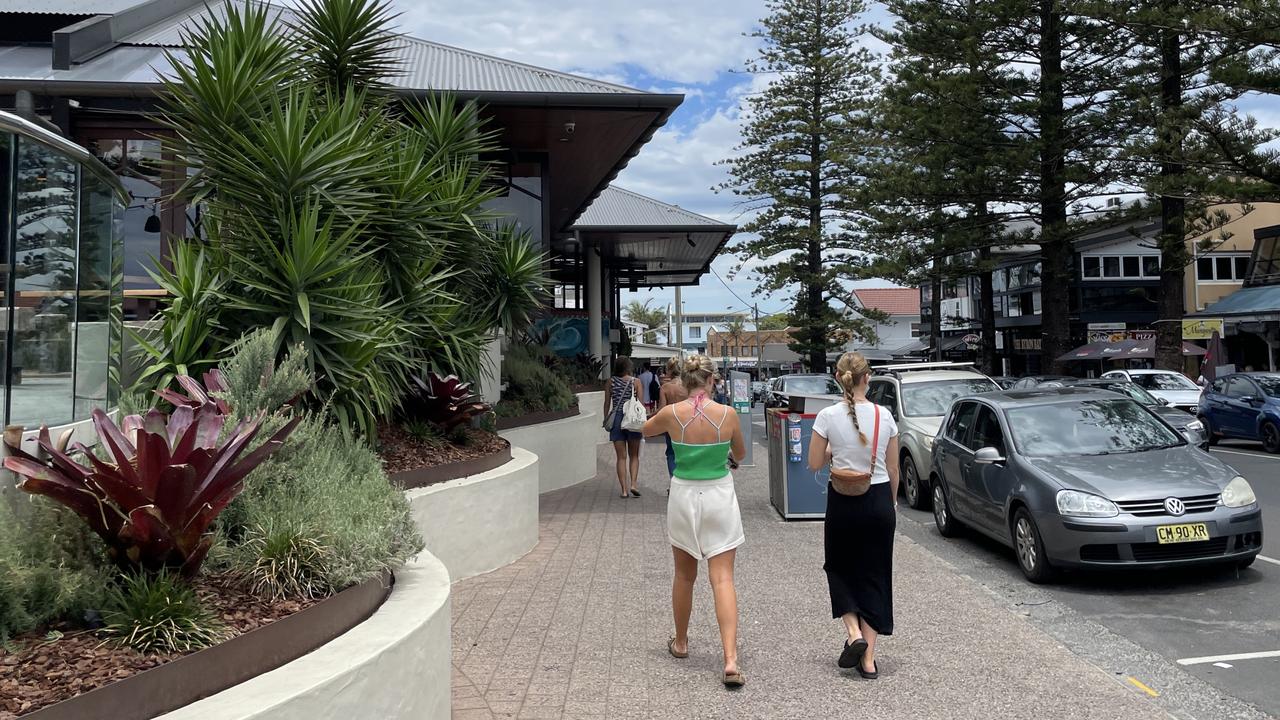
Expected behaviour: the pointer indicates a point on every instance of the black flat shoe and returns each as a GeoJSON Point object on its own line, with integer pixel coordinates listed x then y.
{"type": "Point", "coordinates": [852, 654]}
{"type": "Point", "coordinates": [635, 493]}
{"type": "Point", "coordinates": [869, 675]}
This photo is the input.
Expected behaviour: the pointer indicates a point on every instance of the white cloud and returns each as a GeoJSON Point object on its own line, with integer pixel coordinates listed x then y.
{"type": "Point", "coordinates": [673, 40]}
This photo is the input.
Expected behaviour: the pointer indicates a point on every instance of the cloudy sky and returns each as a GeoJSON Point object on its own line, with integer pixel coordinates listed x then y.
{"type": "Point", "coordinates": [672, 46]}
{"type": "Point", "coordinates": [694, 47]}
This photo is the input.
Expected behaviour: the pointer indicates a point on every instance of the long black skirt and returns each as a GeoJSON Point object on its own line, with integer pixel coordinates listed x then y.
{"type": "Point", "coordinates": [858, 538]}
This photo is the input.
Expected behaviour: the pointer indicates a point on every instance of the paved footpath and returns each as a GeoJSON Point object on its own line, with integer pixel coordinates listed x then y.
{"type": "Point", "coordinates": [578, 628]}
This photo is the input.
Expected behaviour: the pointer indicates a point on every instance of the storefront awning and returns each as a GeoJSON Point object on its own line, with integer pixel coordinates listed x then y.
{"type": "Point", "coordinates": [1251, 303]}
{"type": "Point", "coordinates": [1124, 350]}
{"type": "Point", "coordinates": [912, 348]}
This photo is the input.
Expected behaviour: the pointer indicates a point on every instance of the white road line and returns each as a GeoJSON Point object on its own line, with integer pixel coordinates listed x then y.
{"type": "Point", "coordinates": [1246, 453]}
{"type": "Point", "coordinates": [1273, 561]}
{"type": "Point", "coordinates": [1224, 658]}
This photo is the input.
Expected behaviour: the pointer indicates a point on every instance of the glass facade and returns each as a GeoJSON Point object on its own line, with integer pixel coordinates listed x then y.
{"type": "Point", "coordinates": [62, 277]}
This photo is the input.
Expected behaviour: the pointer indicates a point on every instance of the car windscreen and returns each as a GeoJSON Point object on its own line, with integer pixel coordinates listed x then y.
{"type": "Point", "coordinates": [811, 386]}
{"type": "Point", "coordinates": [1134, 391]}
{"type": "Point", "coordinates": [1088, 427]}
{"type": "Point", "coordinates": [1164, 381]}
{"type": "Point", "coordinates": [1270, 384]}
{"type": "Point", "coordinates": [934, 398]}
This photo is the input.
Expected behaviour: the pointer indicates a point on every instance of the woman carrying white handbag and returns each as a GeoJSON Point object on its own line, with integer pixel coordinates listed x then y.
{"type": "Point", "coordinates": [624, 418]}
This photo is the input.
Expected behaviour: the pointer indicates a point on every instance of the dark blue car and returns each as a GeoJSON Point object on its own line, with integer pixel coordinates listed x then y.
{"type": "Point", "coordinates": [1244, 406]}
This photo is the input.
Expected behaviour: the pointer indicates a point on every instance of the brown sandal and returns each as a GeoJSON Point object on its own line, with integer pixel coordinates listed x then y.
{"type": "Point", "coordinates": [671, 648]}
{"type": "Point", "coordinates": [734, 680]}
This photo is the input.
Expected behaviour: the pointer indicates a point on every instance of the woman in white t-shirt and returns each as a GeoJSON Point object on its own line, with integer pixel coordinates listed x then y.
{"type": "Point", "coordinates": [857, 438]}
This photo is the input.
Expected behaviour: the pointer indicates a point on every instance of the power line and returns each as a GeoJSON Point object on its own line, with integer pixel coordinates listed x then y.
{"type": "Point", "coordinates": [747, 305]}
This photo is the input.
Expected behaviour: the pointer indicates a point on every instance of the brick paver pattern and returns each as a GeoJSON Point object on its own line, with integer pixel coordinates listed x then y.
{"type": "Point", "coordinates": [578, 628]}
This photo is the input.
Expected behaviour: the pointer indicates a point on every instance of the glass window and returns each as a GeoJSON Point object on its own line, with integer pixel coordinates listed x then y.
{"type": "Point", "coordinates": [1239, 387]}
{"type": "Point", "coordinates": [1242, 268]}
{"type": "Point", "coordinates": [1268, 265]}
{"type": "Point", "coordinates": [931, 399]}
{"type": "Point", "coordinates": [1088, 427]}
{"type": "Point", "coordinates": [1164, 381]}
{"type": "Point", "coordinates": [986, 431]}
{"type": "Point", "coordinates": [890, 399]}
{"type": "Point", "coordinates": [1132, 266]}
{"type": "Point", "coordinates": [1134, 391]}
{"type": "Point", "coordinates": [44, 269]}
{"type": "Point", "coordinates": [961, 421]}
{"type": "Point", "coordinates": [1204, 268]}
{"type": "Point", "coordinates": [93, 297]}
{"type": "Point", "coordinates": [1151, 265]}
{"type": "Point", "coordinates": [1270, 384]}
{"type": "Point", "coordinates": [1092, 267]}
{"type": "Point", "coordinates": [1222, 267]}
{"type": "Point", "coordinates": [1111, 267]}
{"type": "Point", "coordinates": [915, 329]}
{"type": "Point", "coordinates": [875, 390]}
{"type": "Point", "coordinates": [137, 163]}
{"type": "Point", "coordinates": [695, 331]}
{"type": "Point", "coordinates": [813, 385]}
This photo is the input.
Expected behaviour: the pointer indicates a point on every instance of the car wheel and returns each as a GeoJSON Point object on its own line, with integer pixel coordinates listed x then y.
{"type": "Point", "coordinates": [947, 524]}
{"type": "Point", "coordinates": [911, 485]}
{"type": "Point", "coordinates": [1211, 439]}
{"type": "Point", "coordinates": [1030, 548]}
{"type": "Point", "coordinates": [1270, 437]}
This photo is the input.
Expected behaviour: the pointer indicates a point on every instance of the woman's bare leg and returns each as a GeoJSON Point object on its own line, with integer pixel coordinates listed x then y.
{"type": "Point", "coordinates": [682, 596]}
{"type": "Point", "coordinates": [620, 454]}
{"type": "Point", "coordinates": [851, 626]}
{"type": "Point", "coordinates": [720, 570]}
{"type": "Point", "coordinates": [633, 452]}
{"type": "Point", "coordinates": [869, 658]}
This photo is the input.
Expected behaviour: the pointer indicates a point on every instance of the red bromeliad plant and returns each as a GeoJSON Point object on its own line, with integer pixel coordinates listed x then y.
{"type": "Point", "coordinates": [446, 402]}
{"type": "Point", "coordinates": [167, 478]}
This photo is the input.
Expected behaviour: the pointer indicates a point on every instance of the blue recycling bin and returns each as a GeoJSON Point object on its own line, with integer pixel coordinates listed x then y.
{"type": "Point", "coordinates": [795, 491]}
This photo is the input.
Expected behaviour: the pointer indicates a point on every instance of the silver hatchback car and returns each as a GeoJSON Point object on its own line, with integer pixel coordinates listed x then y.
{"type": "Point", "coordinates": [1085, 477]}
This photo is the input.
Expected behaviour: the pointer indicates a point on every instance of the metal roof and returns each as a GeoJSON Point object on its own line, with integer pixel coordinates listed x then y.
{"type": "Point", "coordinates": [1261, 302]}
{"type": "Point", "coordinates": [617, 208]}
{"type": "Point", "coordinates": [69, 7]}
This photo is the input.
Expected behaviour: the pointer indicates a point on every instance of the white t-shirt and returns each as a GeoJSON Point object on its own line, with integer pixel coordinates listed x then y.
{"type": "Point", "coordinates": [847, 451]}
{"type": "Point", "coordinates": [646, 378]}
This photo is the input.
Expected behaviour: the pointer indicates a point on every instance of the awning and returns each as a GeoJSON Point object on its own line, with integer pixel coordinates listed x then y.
{"type": "Point", "coordinates": [911, 348]}
{"type": "Point", "coordinates": [779, 353]}
{"type": "Point", "coordinates": [1251, 303]}
{"type": "Point", "coordinates": [645, 351]}
{"type": "Point", "coordinates": [876, 354]}
{"type": "Point", "coordinates": [1092, 351]}
{"type": "Point", "coordinates": [1123, 350]}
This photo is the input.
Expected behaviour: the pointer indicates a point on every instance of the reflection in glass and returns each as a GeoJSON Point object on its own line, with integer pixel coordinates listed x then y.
{"type": "Point", "coordinates": [137, 163]}
{"type": "Point", "coordinates": [93, 306]}
{"type": "Point", "coordinates": [1088, 427]}
{"type": "Point", "coordinates": [935, 398]}
{"type": "Point", "coordinates": [44, 307]}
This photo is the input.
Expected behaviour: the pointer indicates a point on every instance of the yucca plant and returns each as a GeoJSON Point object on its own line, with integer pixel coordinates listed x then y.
{"type": "Point", "coordinates": [159, 613]}
{"type": "Point", "coordinates": [163, 482]}
{"type": "Point", "coordinates": [184, 334]}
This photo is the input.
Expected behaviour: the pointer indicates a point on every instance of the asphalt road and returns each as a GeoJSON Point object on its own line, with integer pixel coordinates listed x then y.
{"type": "Point", "coordinates": [1141, 624]}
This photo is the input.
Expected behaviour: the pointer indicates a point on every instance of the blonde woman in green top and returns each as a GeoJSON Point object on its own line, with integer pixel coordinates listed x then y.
{"type": "Point", "coordinates": [703, 521]}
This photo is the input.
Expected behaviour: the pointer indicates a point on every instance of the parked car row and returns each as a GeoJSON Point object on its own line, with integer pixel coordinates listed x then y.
{"type": "Point", "coordinates": [1102, 473]}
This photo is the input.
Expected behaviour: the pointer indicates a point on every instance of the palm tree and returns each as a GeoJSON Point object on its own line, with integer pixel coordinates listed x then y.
{"type": "Point", "coordinates": [736, 330]}
{"type": "Point", "coordinates": [650, 318]}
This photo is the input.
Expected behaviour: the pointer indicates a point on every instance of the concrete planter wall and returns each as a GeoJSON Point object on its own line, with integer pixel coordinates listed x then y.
{"type": "Point", "coordinates": [482, 522]}
{"type": "Point", "coordinates": [566, 448]}
{"type": "Point", "coordinates": [393, 666]}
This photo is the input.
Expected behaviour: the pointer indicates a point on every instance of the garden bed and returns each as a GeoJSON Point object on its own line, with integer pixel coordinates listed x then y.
{"type": "Point", "coordinates": [535, 418]}
{"type": "Point", "coordinates": [413, 462]}
{"type": "Point", "coordinates": [79, 676]}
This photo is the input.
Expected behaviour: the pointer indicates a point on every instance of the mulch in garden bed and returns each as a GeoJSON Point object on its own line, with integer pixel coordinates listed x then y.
{"type": "Point", "coordinates": [42, 672]}
{"type": "Point", "coordinates": [401, 451]}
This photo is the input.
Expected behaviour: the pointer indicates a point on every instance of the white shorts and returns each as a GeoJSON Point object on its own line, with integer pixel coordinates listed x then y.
{"type": "Point", "coordinates": [703, 518]}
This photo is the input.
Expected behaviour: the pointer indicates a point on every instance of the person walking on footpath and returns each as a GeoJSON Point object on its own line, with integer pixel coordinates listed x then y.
{"type": "Point", "coordinates": [648, 381]}
{"type": "Point", "coordinates": [626, 443]}
{"type": "Point", "coordinates": [703, 520]}
{"type": "Point", "coordinates": [672, 392]}
{"type": "Point", "coordinates": [856, 438]}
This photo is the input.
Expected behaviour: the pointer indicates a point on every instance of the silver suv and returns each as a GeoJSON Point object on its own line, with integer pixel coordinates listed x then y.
{"type": "Point", "coordinates": [919, 396]}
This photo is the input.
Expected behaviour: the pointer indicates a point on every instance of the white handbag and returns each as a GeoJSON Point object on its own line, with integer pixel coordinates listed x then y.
{"type": "Point", "coordinates": [633, 413]}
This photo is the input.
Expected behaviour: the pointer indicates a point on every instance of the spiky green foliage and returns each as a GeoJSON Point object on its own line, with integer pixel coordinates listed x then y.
{"type": "Point", "coordinates": [285, 561]}
{"type": "Point", "coordinates": [255, 382]}
{"type": "Point", "coordinates": [652, 319]}
{"type": "Point", "coordinates": [347, 222]}
{"type": "Point", "coordinates": [49, 566]}
{"type": "Point", "coordinates": [159, 613]}
{"type": "Point", "coordinates": [792, 169]}
{"type": "Point", "coordinates": [177, 341]}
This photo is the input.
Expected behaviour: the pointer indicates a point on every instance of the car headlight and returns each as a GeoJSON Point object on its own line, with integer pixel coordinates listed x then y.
{"type": "Point", "coordinates": [1238, 493]}
{"type": "Point", "coordinates": [1195, 426]}
{"type": "Point", "coordinates": [927, 441]}
{"type": "Point", "coordinates": [1080, 504]}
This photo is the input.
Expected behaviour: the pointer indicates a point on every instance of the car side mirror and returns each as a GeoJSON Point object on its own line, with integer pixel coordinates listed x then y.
{"type": "Point", "coordinates": [988, 456]}
{"type": "Point", "coordinates": [1251, 399]}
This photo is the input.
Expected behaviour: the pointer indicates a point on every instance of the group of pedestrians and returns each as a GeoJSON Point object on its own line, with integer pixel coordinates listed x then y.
{"type": "Point", "coordinates": [855, 438]}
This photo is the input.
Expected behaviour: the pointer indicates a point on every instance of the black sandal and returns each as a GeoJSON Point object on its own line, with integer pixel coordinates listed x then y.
{"type": "Point", "coordinates": [635, 492]}
{"type": "Point", "coordinates": [851, 656]}
{"type": "Point", "coordinates": [869, 674]}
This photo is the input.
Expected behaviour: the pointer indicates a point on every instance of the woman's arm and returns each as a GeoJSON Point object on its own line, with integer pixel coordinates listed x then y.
{"type": "Point", "coordinates": [737, 444]}
{"type": "Point", "coordinates": [818, 453]}
{"type": "Point", "coordinates": [892, 467]}
{"type": "Point", "coordinates": [608, 397]}
{"type": "Point", "coordinates": [657, 424]}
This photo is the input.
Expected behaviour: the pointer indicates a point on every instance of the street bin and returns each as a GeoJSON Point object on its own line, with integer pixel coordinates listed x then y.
{"type": "Point", "coordinates": [795, 491]}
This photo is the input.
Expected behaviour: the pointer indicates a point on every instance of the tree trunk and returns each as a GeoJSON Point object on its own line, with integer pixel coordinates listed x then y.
{"type": "Point", "coordinates": [987, 311]}
{"type": "Point", "coordinates": [1055, 238]}
{"type": "Point", "coordinates": [1173, 209]}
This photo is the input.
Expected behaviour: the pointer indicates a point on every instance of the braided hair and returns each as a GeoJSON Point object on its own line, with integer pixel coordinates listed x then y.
{"type": "Point", "coordinates": [850, 370]}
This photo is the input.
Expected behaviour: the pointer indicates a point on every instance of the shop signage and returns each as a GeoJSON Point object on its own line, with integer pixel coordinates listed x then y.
{"type": "Point", "coordinates": [971, 341]}
{"type": "Point", "coordinates": [1027, 344]}
{"type": "Point", "coordinates": [1201, 329]}
{"type": "Point", "coordinates": [1115, 336]}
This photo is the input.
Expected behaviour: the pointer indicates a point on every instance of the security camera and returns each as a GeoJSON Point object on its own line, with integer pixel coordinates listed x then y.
{"type": "Point", "coordinates": [569, 127]}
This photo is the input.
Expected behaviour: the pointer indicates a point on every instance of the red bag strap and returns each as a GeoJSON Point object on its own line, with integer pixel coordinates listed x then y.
{"type": "Point", "coordinates": [875, 440]}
